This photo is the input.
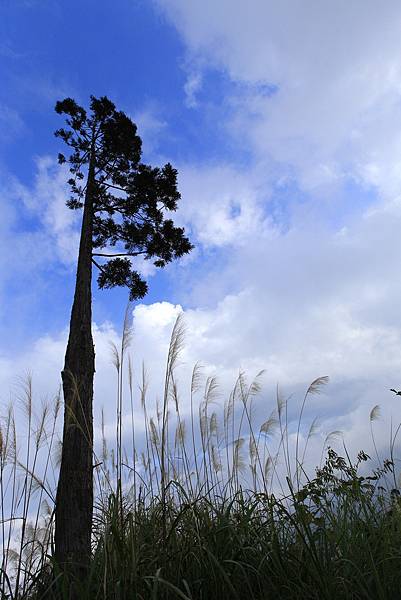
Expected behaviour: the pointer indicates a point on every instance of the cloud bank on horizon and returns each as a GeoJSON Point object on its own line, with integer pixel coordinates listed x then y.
{"type": "Point", "coordinates": [284, 122]}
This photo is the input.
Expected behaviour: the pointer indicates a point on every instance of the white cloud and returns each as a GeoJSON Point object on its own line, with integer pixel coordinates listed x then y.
{"type": "Point", "coordinates": [55, 238]}
{"type": "Point", "coordinates": [316, 100]}
{"type": "Point", "coordinates": [308, 302]}
{"type": "Point", "coordinates": [303, 303]}
{"type": "Point", "coordinates": [46, 204]}
{"type": "Point", "coordinates": [244, 331]}
{"type": "Point", "coordinates": [37, 232]}
{"type": "Point", "coordinates": [336, 69]}
{"type": "Point", "coordinates": [221, 205]}
{"type": "Point", "coordinates": [192, 86]}
{"type": "Point", "coordinates": [150, 126]}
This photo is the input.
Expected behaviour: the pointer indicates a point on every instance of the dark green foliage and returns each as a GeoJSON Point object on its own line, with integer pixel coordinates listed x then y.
{"type": "Point", "coordinates": [118, 272]}
{"type": "Point", "coordinates": [251, 546]}
{"type": "Point", "coordinates": [130, 199]}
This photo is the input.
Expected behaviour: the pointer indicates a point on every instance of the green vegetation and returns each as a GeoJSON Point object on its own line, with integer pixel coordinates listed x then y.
{"type": "Point", "coordinates": [202, 505]}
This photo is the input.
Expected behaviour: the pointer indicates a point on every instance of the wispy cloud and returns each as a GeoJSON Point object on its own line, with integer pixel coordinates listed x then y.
{"type": "Point", "coordinates": [151, 126]}
{"type": "Point", "coordinates": [11, 123]}
{"type": "Point", "coordinates": [46, 204]}
{"type": "Point", "coordinates": [192, 87]}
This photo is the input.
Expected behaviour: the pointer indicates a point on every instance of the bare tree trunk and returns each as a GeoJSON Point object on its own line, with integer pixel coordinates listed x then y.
{"type": "Point", "coordinates": [74, 500]}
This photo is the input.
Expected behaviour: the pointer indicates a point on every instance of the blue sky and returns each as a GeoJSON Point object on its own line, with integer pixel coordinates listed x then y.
{"type": "Point", "coordinates": [283, 121]}
{"type": "Point", "coordinates": [129, 52]}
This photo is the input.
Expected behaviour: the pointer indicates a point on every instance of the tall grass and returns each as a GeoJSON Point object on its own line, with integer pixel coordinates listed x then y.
{"type": "Point", "coordinates": [200, 501]}
{"type": "Point", "coordinates": [28, 471]}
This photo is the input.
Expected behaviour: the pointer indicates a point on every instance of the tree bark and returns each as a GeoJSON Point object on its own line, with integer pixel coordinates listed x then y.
{"type": "Point", "coordinates": [74, 500]}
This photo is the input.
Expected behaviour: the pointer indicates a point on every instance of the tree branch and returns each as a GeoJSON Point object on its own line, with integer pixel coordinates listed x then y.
{"type": "Point", "coordinates": [115, 187]}
{"type": "Point", "coordinates": [98, 266]}
{"type": "Point", "coordinates": [122, 254]}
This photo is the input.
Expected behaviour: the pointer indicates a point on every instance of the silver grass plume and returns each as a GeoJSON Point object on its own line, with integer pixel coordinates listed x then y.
{"type": "Point", "coordinates": [333, 436]}
{"type": "Point", "coordinates": [173, 391]}
{"type": "Point", "coordinates": [313, 428]}
{"type": "Point", "coordinates": [27, 396]}
{"type": "Point", "coordinates": [41, 427]}
{"type": "Point", "coordinates": [269, 465]}
{"type": "Point", "coordinates": [211, 390]}
{"type": "Point", "coordinates": [375, 413]}
{"type": "Point", "coordinates": [214, 425]}
{"type": "Point", "coordinates": [253, 450]}
{"type": "Point", "coordinates": [281, 402]}
{"type": "Point", "coordinates": [239, 463]}
{"type": "Point", "coordinates": [154, 435]}
{"type": "Point", "coordinates": [115, 356]}
{"type": "Point", "coordinates": [256, 384]}
{"type": "Point", "coordinates": [143, 388]}
{"type": "Point", "coordinates": [196, 379]}
{"type": "Point", "coordinates": [269, 426]}
{"type": "Point", "coordinates": [317, 385]}
{"type": "Point", "coordinates": [130, 374]}
{"type": "Point", "coordinates": [127, 328]}
{"type": "Point", "coordinates": [58, 450]}
{"type": "Point", "coordinates": [229, 408]}
{"type": "Point", "coordinates": [216, 459]}
{"type": "Point", "coordinates": [37, 482]}
{"type": "Point", "coordinates": [203, 423]}
{"type": "Point", "coordinates": [180, 434]}
{"type": "Point", "coordinates": [57, 403]}
{"type": "Point", "coordinates": [176, 345]}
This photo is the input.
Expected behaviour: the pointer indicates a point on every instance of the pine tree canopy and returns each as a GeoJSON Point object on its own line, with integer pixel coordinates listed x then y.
{"type": "Point", "coordinates": [129, 199]}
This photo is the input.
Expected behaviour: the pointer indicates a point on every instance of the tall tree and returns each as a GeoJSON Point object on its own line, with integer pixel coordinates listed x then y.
{"type": "Point", "coordinates": [124, 204]}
